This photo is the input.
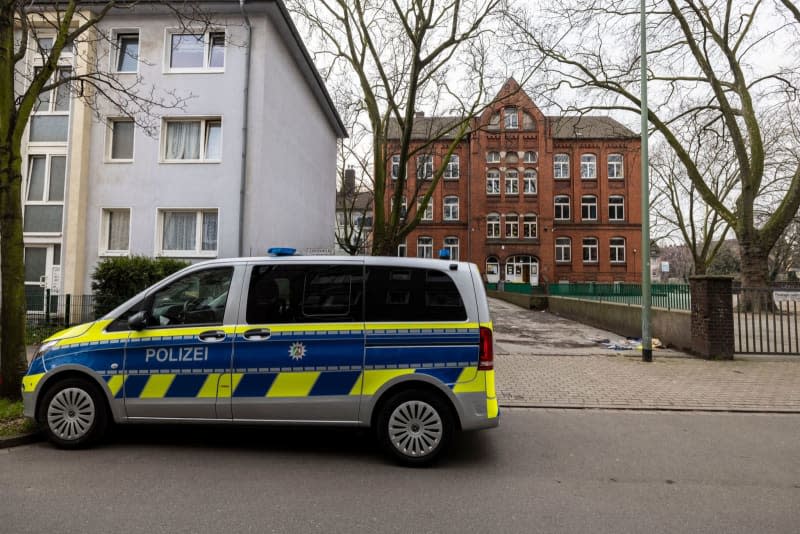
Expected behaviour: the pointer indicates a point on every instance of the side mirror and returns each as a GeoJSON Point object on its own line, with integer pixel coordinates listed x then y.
{"type": "Point", "coordinates": [138, 321]}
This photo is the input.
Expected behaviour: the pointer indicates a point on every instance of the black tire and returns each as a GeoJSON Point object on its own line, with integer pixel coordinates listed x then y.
{"type": "Point", "coordinates": [73, 413]}
{"type": "Point", "coordinates": [414, 427]}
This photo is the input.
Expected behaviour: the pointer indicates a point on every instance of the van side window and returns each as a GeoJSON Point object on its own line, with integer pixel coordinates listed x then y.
{"type": "Point", "coordinates": [280, 294]}
{"type": "Point", "coordinates": [403, 294]}
{"type": "Point", "coordinates": [198, 298]}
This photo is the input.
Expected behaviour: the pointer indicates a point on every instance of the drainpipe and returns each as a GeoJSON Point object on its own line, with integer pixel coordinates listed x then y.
{"type": "Point", "coordinates": [245, 115]}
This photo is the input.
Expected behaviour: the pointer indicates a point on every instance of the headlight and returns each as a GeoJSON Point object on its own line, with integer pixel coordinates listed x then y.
{"type": "Point", "coordinates": [44, 349]}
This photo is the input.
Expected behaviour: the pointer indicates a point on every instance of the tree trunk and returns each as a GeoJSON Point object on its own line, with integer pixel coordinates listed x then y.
{"type": "Point", "coordinates": [756, 294]}
{"type": "Point", "coordinates": [13, 361]}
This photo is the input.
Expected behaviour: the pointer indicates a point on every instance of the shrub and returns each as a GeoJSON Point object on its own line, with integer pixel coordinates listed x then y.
{"type": "Point", "coordinates": [115, 280]}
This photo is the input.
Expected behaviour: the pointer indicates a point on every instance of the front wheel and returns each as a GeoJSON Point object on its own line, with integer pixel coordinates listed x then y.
{"type": "Point", "coordinates": [73, 413]}
{"type": "Point", "coordinates": [414, 427]}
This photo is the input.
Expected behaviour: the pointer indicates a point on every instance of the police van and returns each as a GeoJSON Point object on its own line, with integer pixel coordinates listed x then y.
{"type": "Point", "coordinates": [401, 345]}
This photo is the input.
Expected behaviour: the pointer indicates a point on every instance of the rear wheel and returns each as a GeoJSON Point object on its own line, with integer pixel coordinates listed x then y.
{"type": "Point", "coordinates": [73, 413]}
{"type": "Point", "coordinates": [415, 426]}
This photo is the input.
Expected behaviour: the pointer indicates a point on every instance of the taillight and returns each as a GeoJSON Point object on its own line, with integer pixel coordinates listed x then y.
{"type": "Point", "coordinates": [486, 354]}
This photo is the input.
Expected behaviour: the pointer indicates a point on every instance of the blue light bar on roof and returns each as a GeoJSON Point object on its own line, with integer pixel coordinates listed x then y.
{"type": "Point", "coordinates": [281, 251]}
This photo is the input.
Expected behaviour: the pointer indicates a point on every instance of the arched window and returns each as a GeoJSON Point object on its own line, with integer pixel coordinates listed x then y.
{"type": "Point", "coordinates": [529, 226]}
{"type": "Point", "coordinates": [493, 182]}
{"type": "Point", "coordinates": [512, 182]}
{"type": "Point", "coordinates": [589, 250]}
{"type": "Point", "coordinates": [616, 169]}
{"type": "Point", "coordinates": [563, 250]}
{"type": "Point", "coordinates": [512, 225]}
{"type": "Point", "coordinates": [588, 208]}
{"type": "Point", "coordinates": [561, 166]}
{"type": "Point", "coordinates": [529, 187]}
{"type": "Point", "coordinates": [492, 266]}
{"type": "Point", "coordinates": [424, 247]}
{"type": "Point", "coordinates": [512, 158]}
{"type": "Point", "coordinates": [450, 208]}
{"type": "Point", "coordinates": [616, 208]}
{"type": "Point", "coordinates": [617, 249]}
{"type": "Point", "coordinates": [511, 118]}
{"type": "Point", "coordinates": [522, 269]}
{"type": "Point", "coordinates": [453, 170]}
{"type": "Point", "coordinates": [588, 167]}
{"type": "Point", "coordinates": [493, 225]}
{"type": "Point", "coordinates": [451, 245]}
{"type": "Point", "coordinates": [561, 208]}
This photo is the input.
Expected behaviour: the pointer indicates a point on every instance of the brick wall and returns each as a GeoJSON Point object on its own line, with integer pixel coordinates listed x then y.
{"type": "Point", "coordinates": [712, 317]}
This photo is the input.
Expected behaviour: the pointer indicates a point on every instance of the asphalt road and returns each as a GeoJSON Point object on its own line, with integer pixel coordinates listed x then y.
{"type": "Point", "coordinates": [541, 471]}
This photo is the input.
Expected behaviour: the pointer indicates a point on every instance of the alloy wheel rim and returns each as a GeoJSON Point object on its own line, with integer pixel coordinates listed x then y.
{"type": "Point", "coordinates": [71, 413]}
{"type": "Point", "coordinates": [415, 428]}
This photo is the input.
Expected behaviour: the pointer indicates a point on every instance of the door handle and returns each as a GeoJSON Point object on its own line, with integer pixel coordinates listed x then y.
{"type": "Point", "coordinates": [257, 334]}
{"type": "Point", "coordinates": [212, 336]}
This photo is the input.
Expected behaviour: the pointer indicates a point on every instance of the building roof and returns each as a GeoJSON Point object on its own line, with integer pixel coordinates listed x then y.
{"type": "Point", "coordinates": [360, 201]}
{"type": "Point", "coordinates": [588, 127]}
{"type": "Point", "coordinates": [427, 128]}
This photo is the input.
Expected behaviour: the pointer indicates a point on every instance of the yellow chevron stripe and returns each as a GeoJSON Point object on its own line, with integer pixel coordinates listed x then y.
{"type": "Point", "coordinates": [156, 386]}
{"type": "Point", "coordinates": [477, 385]}
{"type": "Point", "coordinates": [228, 384]}
{"type": "Point", "coordinates": [373, 380]}
{"type": "Point", "coordinates": [297, 384]}
{"type": "Point", "coordinates": [209, 389]}
{"type": "Point", "coordinates": [29, 382]}
{"type": "Point", "coordinates": [115, 384]}
{"type": "Point", "coordinates": [468, 374]}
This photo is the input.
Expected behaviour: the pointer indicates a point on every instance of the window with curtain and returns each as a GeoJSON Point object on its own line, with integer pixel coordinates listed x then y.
{"type": "Point", "coordinates": [197, 51]}
{"type": "Point", "coordinates": [189, 232]}
{"type": "Point", "coordinates": [193, 140]}
{"type": "Point", "coordinates": [116, 230]}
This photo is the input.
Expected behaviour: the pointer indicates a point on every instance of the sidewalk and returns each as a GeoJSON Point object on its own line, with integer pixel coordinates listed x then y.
{"type": "Point", "coordinates": [546, 361]}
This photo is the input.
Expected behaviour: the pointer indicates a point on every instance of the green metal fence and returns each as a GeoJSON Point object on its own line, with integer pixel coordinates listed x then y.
{"type": "Point", "coordinates": [48, 313]}
{"type": "Point", "coordinates": [668, 296]}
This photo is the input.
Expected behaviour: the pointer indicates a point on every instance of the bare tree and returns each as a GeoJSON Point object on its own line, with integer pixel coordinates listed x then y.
{"type": "Point", "coordinates": [32, 68]}
{"type": "Point", "coordinates": [407, 56]}
{"type": "Point", "coordinates": [706, 70]}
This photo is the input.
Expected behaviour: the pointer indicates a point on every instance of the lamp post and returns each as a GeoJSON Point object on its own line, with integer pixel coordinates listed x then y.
{"type": "Point", "coordinates": [647, 348]}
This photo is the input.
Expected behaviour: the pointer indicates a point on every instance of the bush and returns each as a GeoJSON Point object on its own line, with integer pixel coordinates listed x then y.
{"type": "Point", "coordinates": [115, 280]}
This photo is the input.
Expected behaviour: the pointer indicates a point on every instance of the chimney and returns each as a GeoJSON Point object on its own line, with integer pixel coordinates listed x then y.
{"type": "Point", "coordinates": [349, 182]}
{"type": "Point", "coordinates": [419, 114]}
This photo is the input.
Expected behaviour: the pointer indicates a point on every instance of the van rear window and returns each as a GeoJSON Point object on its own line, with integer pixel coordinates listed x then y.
{"type": "Point", "coordinates": [402, 294]}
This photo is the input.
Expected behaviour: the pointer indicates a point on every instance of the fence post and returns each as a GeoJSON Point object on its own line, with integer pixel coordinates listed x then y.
{"type": "Point", "coordinates": [67, 309]}
{"type": "Point", "coordinates": [712, 317]}
{"type": "Point", "coordinates": [47, 306]}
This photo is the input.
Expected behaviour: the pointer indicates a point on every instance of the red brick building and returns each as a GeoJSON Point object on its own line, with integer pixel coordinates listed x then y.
{"type": "Point", "coordinates": [530, 198]}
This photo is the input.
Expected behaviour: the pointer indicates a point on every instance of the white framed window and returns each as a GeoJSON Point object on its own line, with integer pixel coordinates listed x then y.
{"type": "Point", "coordinates": [561, 166]}
{"type": "Point", "coordinates": [561, 204]}
{"type": "Point", "coordinates": [424, 247]}
{"type": "Point", "coordinates": [528, 122]}
{"type": "Point", "coordinates": [588, 167]}
{"type": "Point", "coordinates": [589, 250]}
{"type": "Point", "coordinates": [512, 225]}
{"type": "Point", "coordinates": [126, 52]}
{"type": "Point", "coordinates": [494, 121]}
{"type": "Point", "coordinates": [529, 186]}
{"type": "Point", "coordinates": [402, 250]}
{"type": "Point", "coordinates": [450, 208]}
{"type": "Point", "coordinates": [512, 182]}
{"type": "Point", "coordinates": [120, 140]}
{"type": "Point", "coordinates": [395, 166]}
{"type": "Point", "coordinates": [493, 157]}
{"type": "Point", "coordinates": [188, 232]}
{"type": "Point", "coordinates": [616, 208]}
{"type": "Point", "coordinates": [452, 170]}
{"type": "Point", "coordinates": [530, 226]}
{"type": "Point", "coordinates": [49, 121]}
{"type": "Point", "coordinates": [192, 140]}
{"type": "Point", "coordinates": [511, 118]}
{"type": "Point", "coordinates": [115, 231]}
{"type": "Point", "coordinates": [195, 52]}
{"type": "Point", "coordinates": [617, 249]}
{"type": "Point", "coordinates": [563, 250]}
{"type": "Point", "coordinates": [425, 167]}
{"type": "Point", "coordinates": [616, 168]}
{"type": "Point", "coordinates": [530, 156]}
{"type": "Point", "coordinates": [492, 266]}
{"type": "Point", "coordinates": [493, 182]}
{"type": "Point", "coordinates": [493, 225]}
{"type": "Point", "coordinates": [588, 208]}
{"type": "Point", "coordinates": [428, 213]}
{"type": "Point", "coordinates": [451, 245]}
{"type": "Point", "coordinates": [43, 210]}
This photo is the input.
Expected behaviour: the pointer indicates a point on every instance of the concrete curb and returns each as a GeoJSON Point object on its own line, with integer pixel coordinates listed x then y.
{"type": "Point", "coordinates": [22, 439]}
{"type": "Point", "coordinates": [699, 409]}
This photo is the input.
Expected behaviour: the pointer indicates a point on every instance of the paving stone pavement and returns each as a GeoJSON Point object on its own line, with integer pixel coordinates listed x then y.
{"type": "Point", "coordinates": [543, 360]}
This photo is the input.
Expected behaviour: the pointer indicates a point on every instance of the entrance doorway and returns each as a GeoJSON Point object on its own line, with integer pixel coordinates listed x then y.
{"type": "Point", "coordinates": [42, 272]}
